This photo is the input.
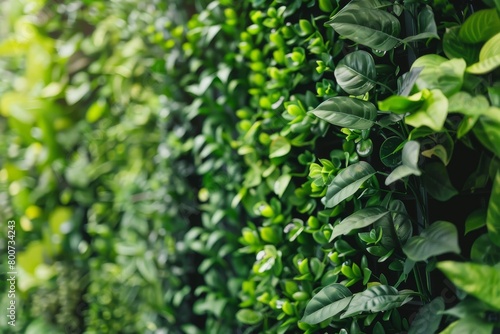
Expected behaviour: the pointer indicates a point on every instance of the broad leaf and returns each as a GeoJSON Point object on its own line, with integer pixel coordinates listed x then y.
{"type": "Point", "coordinates": [374, 28]}
{"type": "Point", "coordinates": [390, 151]}
{"type": "Point", "coordinates": [479, 280]}
{"type": "Point", "coordinates": [411, 153]}
{"type": "Point", "coordinates": [489, 57]}
{"type": "Point", "coordinates": [328, 302]}
{"type": "Point", "coordinates": [347, 112]}
{"type": "Point", "coordinates": [377, 298]}
{"type": "Point", "coordinates": [402, 104]}
{"type": "Point", "coordinates": [454, 47]}
{"type": "Point", "coordinates": [488, 133]}
{"type": "Point", "coordinates": [249, 317]}
{"type": "Point", "coordinates": [475, 220]}
{"type": "Point", "coordinates": [480, 26]}
{"type": "Point", "coordinates": [439, 238]}
{"type": "Point", "coordinates": [437, 182]}
{"type": "Point", "coordinates": [432, 113]}
{"type": "Point", "coordinates": [493, 215]}
{"type": "Point", "coordinates": [360, 219]}
{"type": "Point", "coordinates": [483, 250]}
{"type": "Point", "coordinates": [356, 73]}
{"type": "Point", "coordinates": [440, 73]}
{"type": "Point", "coordinates": [279, 147]}
{"type": "Point", "coordinates": [426, 26]}
{"type": "Point", "coordinates": [347, 182]}
{"type": "Point", "coordinates": [428, 318]}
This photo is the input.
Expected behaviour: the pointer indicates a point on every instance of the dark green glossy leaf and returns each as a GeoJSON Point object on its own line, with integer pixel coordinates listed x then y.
{"type": "Point", "coordinates": [488, 133]}
{"type": "Point", "coordinates": [360, 219]}
{"type": "Point", "coordinates": [347, 112]}
{"type": "Point", "coordinates": [475, 220]}
{"type": "Point", "coordinates": [390, 154]}
{"type": "Point", "coordinates": [377, 298]}
{"type": "Point", "coordinates": [328, 302]}
{"type": "Point", "coordinates": [426, 26]}
{"type": "Point", "coordinates": [440, 73]}
{"type": "Point", "coordinates": [356, 73]}
{"type": "Point", "coordinates": [439, 238]}
{"type": "Point", "coordinates": [411, 153]}
{"type": "Point", "coordinates": [428, 318]}
{"type": "Point", "coordinates": [437, 182]}
{"type": "Point", "coordinates": [485, 251]}
{"type": "Point", "coordinates": [493, 215]}
{"type": "Point", "coordinates": [347, 182]}
{"type": "Point", "coordinates": [480, 26]}
{"type": "Point", "coordinates": [402, 104]}
{"type": "Point", "coordinates": [374, 28]}
{"type": "Point", "coordinates": [454, 47]}
{"type": "Point", "coordinates": [479, 280]}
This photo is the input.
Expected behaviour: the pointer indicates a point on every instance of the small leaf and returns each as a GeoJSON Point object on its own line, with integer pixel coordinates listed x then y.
{"type": "Point", "coordinates": [377, 298]}
{"type": "Point", "coordinates": [356, 73]}
{"type": "Point", "coordinates": [479, 280]}
{"type": "Point", "coordinates": [483, 250]}
{"type": "Point", "coordinates": [488, 133]}
{"type": "Point", "coordinates": [493, 215]}
{"type": "Point", "coordinates": [480, 26]}
{"type": "Point", "coordinates": [439, 238]}
{"type": "Point", "coordinates": [402, 104]}
{"type": "Point", "coordinates": [360, 219]}
{"type": "Point", "coordinates": [411, 153]}
{"type": "Point", "coordinates": [347, 182]}
{"type": "Point", "coordinates": [428, 318]}
{"type": "Point", "coordinates": [279, 147]}
{"type": "Point", "coordinates": [328, 302]}
{"type": "Point", "coordinates": [426, 26]}
{"type": "Point", "coordinates": [249, 317]}
{"type": "Point", "coordinates": [347, 112]}
{"type": "Point", "coordinates": [437, 182]}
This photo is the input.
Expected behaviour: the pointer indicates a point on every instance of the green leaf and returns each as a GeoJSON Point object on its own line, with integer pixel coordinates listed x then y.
{"type": "Point", "coordinates": [281, 184]}
{"type": "Point", "coordinates": [440, 73]}
{"type": "Point", "coordinates": [479, 280]}
{"type": "Point", "coordinates": [428, 318]}
{"type": "Point", "coordinates": [437, 182]}
{"type": "Point", "coordinates": [411, 153]}
{"type": "Point", "coordinates": [390, 153]}
{"type": "Point", "coordinates": [347, 182]}
{"type": "Point", "coordinates": [493, 215]}
{"type": "Point", "coordinates": [454, 47]}
{"type": "Point", "coordinates": [249, 317]}
{"type": "Point", "coordinates": [489, 57]}
{"type": "Point", "coordinates": [356, 73]}
{"type": "Point", "coordinates": [475, 220]}
{"type": "Point", "coordinates": [279, 147]}
{"type": "Point", "coordinates": [480, 26]}
{"type": "Point", "coordinates": [347, 112]}
{"type": "Point", "coordinates": [378, 298]}
{"type": "Point", "coordinates": [483, 250]}
{"type": "Point", "coordinates": [408, 80]}
{"type": "Point", "coordinates": [488, 133]}
{"type": "Point", "coordinates": [439, 238]}
{"type": "Point", "coordinates": [469, 325]}
{"type": "Point", "coordinates": [360, 219]}
{"type": "Point", "coordinates": [426, 26]}
{"type": "Point", "coordinates": [328, 302]}
{"type": "Point", "coordinates": [432, 113]}
{"type": "Point", "coordinates": [402, 104]}
{"type": "Point", "coordinates": [438, 151]}
{"type": "Point", "coordinates": [374, 28]}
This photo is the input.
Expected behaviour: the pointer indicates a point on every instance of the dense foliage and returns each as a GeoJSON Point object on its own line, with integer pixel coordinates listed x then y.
{"type": "Point", "coordinates": [252, 166]}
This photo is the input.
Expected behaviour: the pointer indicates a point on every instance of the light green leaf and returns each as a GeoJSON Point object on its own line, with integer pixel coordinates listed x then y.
{"type": "Point", "coordinates": [426, 26]}
{"type": "Point", "coordinates": [378, 298]}
{"type": "Point", "coordinates": [469, 325]}
{"type": "Point", "coordinates": [454, 47]}
{"type": "Point", "coordinates": [479, 280]}
{"type": "Point", "coordinates": [347, 182]}
{"type": "Point", "coordinates": [480, 26]}
{"type": "Point", "coordinates": [493, 215]}
{"type": "Point", "coordinates": [432, 113]}
{"type": "Point", "coordinates": [358, 220]}
{"type": "Point", "coordinates": [489, 57]}
{"type": "Point", "coordinates": [402, 104]}
{"type": "Point", "coordinates": [440, 73]}
{"type": "Point", "coordinates": [374, 28]}
{"type": "Point", "coordinates": [483, 250]}
{"type": "Point", "coordinates": [473, 106]}
{"type": "Point", "coordinates": [328, 302]}
{"type": "Point", "coordinates": [437, 182]}
{"type": "Point", "coordinates": [356, 73]}
{"type": "Point", "coordinates": [249, 317]}
{"type": "Point", "coordinates": [428, 318]}
{"type": "Point", "coordinates": [411, 153]}
{"type": "Point", "coordinates": [390, 151]}
{"type": "Point", "coordinates": [281, 184]}
{"type": "Point", "coordinates": [347, 112]}
{"type": "Point", "coordinates": [279, 147]}
{"type": "Point", "coordinates": [439, 238]}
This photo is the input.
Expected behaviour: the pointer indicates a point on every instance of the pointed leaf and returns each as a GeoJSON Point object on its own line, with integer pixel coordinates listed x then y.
{"type": "Point", "coordinates": [377, 298]}
{"type": "Point", "coordinates": [356, 73]}
{"type": "Point", "coordinates": [437, 182]}
{"type": "Point", "coordinates": [454, 47]}
{"type": "Point", "coordinates": [428, 318]}
{"type": "Point", "coordinates": [489, 57]}
{"type": "Point", "coordinates": [480, 26]}
{"type": "Point", "coordinates": [488, 133]}
{"type": "Point", "coordinates": [432, 113]}
{"type": "Point", "coordinates": [374, 28]}
{"type": "Point", "coordinates": [347, 182]}
{"type": "Point", "coordinates": [358, 220]}
{"type": "Point", "coordinates": [439, 238]}
{"type": "Point", "coordinates": [347, 112]}
{"type": "Point", "coordinates": [279, 147]}
{"type": "Point", "coordinates": [479, 280]}
{"type": "Point", "coordinates": [411, 153]}
{"type": "Point", "coordinates": [493, 215]}
{"type": "Point", "coordinates": [328, 302]}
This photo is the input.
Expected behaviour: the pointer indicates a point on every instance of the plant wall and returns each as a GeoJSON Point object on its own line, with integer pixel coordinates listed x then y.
{"type": "Point", "coordinates": [255, 166]}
